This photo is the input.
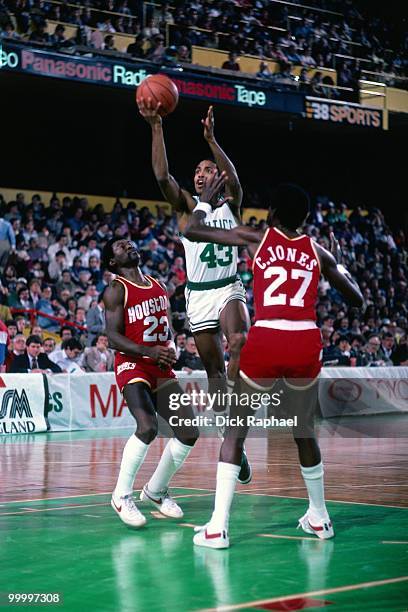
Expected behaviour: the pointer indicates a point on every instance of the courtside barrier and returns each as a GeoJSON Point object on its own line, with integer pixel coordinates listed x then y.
{"type": "Point", "coordinates": [22, 403]}
{"type": "Point", "coordinates": [93, 401]}
{"type": "Point", "coordinates": [363, 391]}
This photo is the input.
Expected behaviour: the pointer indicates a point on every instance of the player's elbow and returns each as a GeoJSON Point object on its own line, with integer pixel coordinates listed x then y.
{"type": "Point", "coordinates": [163, 179]}
{"type": "Point", "coordinates": [356, 300]}
{"type": "Point", "coordinates": [191, 234]}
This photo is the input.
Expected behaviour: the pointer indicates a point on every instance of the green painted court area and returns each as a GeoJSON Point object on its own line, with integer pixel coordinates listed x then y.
{"type": "Point", "coordinates": [77, 546]}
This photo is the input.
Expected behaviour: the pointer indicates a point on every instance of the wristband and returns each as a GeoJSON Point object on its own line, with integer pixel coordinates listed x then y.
{"type": "Point", "coordinates": [342, 269]}
{"type": "Point", "coordinates": [203, 207]}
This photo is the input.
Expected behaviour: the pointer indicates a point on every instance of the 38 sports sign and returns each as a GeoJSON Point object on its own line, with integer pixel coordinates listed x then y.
{"type": "Point", "coordinates": [345, 113]}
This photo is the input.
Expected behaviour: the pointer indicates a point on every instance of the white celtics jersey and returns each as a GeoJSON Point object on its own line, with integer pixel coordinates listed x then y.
{"type": "Point", "coordinates": [207, 262]}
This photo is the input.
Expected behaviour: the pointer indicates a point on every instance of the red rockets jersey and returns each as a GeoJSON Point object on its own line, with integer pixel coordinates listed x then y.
{"type": "Point", "coordinates": [286, 276]}
{"type": "Point", "coordinates": [145, 312]}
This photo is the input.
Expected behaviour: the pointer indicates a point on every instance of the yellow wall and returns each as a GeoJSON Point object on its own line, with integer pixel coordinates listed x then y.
{"type": "Point", "coordinates": [122, 41]}
{"type": "Point", "coordinates": [397, 100]}
{"type": "Point", "coordinates": [9, 194]}
{"type": "Point", "coordinates": [248, 63]}
{"type": "Point", "coordinates": [259, 213]}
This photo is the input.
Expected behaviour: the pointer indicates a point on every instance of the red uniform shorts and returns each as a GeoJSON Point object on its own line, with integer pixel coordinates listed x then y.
{"type": "Point", "coordinates": [269, 354]}
{"type": "Point", "coordinates": [139, 369]}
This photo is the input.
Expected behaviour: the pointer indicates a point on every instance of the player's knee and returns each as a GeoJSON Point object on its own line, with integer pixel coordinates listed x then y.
{"type": "Point", "coordinates": [190, 437]}
{"type": "Point", "coordinates": [236, 341]}
{"type": "Point", "coordinates": [147, 432]}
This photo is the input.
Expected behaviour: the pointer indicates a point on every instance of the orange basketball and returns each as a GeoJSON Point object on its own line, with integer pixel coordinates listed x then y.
{"type": "Point", "coordinates": [159, 88]}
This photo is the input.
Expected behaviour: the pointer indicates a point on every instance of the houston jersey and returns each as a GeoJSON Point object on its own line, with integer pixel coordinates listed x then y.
{"type": "Point", "coordinates": [207, 262]}
{"type": "Point", "coordinates": [286, 277]}
{"type": "Point", "coordinates": [145, 312]}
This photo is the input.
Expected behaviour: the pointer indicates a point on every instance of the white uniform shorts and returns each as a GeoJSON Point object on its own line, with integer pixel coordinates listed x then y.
{"type": "Point", "coordinates": [204, 307]}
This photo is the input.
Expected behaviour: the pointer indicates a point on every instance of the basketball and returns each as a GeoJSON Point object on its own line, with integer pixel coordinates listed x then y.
{"type": "Point", "coordinates": [161, 89]}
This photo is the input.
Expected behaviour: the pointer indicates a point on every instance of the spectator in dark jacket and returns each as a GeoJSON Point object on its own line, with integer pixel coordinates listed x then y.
{"type": "Point", "coordinates": [400, 354]}
{"type": "Point", "coordinates": [189, 359]}
{"type": "Point", "coordinates": [231, 63]}
{"type": "Point", "coordinates": [33, 360]}
{"type": "Point", "coordinates": [95, 320]}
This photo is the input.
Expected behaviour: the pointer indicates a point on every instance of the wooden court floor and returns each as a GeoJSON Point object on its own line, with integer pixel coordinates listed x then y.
{"type": "Point", "coordinates": [59, 533]}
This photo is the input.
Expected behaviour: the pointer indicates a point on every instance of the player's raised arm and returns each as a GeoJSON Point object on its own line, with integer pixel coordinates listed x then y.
{"type": "Point", "coordinates": [197, 231]}
{"type": "Point", "coordinates": [233, 187]}
{"type": "Point", "coordinates": [113, 298]}
{"type": "Point", "coordinates": [337, 275]}
{"type": "Point", "coordinates": [169, 187]}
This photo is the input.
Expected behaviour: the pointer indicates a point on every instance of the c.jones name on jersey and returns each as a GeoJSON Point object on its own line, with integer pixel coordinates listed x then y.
{"type": "Point", "coordinates": [292, 254]}
{"type": "Point", "coordinates": [147, 307]}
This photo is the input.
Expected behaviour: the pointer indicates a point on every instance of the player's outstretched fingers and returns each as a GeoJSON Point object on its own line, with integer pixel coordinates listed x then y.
{"type": "Point", "coordinates": [335, 247]}
{"type": "Point", "coordinates": [221, 180]}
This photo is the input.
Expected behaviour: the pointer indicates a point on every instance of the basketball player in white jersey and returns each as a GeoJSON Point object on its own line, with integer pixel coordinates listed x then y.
{"type": "Point", "coordinates": [215, 296]}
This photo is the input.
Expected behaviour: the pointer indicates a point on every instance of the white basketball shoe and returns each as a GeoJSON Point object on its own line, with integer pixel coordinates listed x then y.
{"type": "Point", "coordinates": [322, 528]}
{"type": "Point", "coordinates": [127, 511]}
{"type": "Point", "coordinates": [218, 539]}
{"type": "Point", "coordinates": [165, 504]}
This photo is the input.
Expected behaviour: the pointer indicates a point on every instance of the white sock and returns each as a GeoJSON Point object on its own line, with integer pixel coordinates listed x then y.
{"type": "Point", "coordinates": [133, 456]}
{"type": "Point", "coordinates": [227, 474]}
{"type": "Point", "coordinates": [230, 385]}
{"type": "Point", "coordinates": [313, 477]}
{"type": "Point", "coordinates": [171, 460]}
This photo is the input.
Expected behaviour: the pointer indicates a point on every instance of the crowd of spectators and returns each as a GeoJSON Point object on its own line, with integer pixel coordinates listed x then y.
{"type": "Point", "coordinates": [287, 33]}
{"type": "Point", "coordinates": [51, 282]}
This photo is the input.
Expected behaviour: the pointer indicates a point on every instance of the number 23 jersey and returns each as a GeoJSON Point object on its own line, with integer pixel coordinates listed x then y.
{"type": "Point", "coordinates": [286, 277]}
{"type": "Point", "coordinates": [145, 312]}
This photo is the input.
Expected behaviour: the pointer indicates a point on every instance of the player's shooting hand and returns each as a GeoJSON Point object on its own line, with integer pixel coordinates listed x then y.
{"type": "Point", "coordinates": [208, 124]}
{"type": "Point", "coordinates": [213, 185]}
{"type": "Point", "coordinates": [335, 249]}
{"type": "Point", "coordinates": [149, 111]}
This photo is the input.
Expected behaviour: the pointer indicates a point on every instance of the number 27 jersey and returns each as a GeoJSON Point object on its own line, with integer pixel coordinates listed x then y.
{"type": "Point", "coordinates": [286, 277]}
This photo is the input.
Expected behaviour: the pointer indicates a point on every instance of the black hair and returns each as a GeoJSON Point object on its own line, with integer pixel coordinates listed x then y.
{"type": "Point", "coordinates": [387, 335]}
{"type": "Point", "coordinates": [71, 344]}
{"type": "Point", "coordinates": [291, 205]}
{"type": "Point", "coordinates": [107, 254]}
{"type": "Point", "coordinates": [342, 338]}
{"type": "Point", "coordinates": [33, 340]}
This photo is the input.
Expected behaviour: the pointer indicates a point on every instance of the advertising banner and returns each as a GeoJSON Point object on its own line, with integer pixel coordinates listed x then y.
{"type": "Point", "coordinates": [93, 401]}
{"type": "Point", "coordinates": [363, 391]}
{"type": "Point", "coordinates": [22, 403]}
{"type": "Point", "coordinates": [343, 113]}
{"type": "Point", "coordinates": [118, 73]}
{"type": "Point", "coordinates": [59, 408]}
{"type": "Point", "coordinates": [96, 401]}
